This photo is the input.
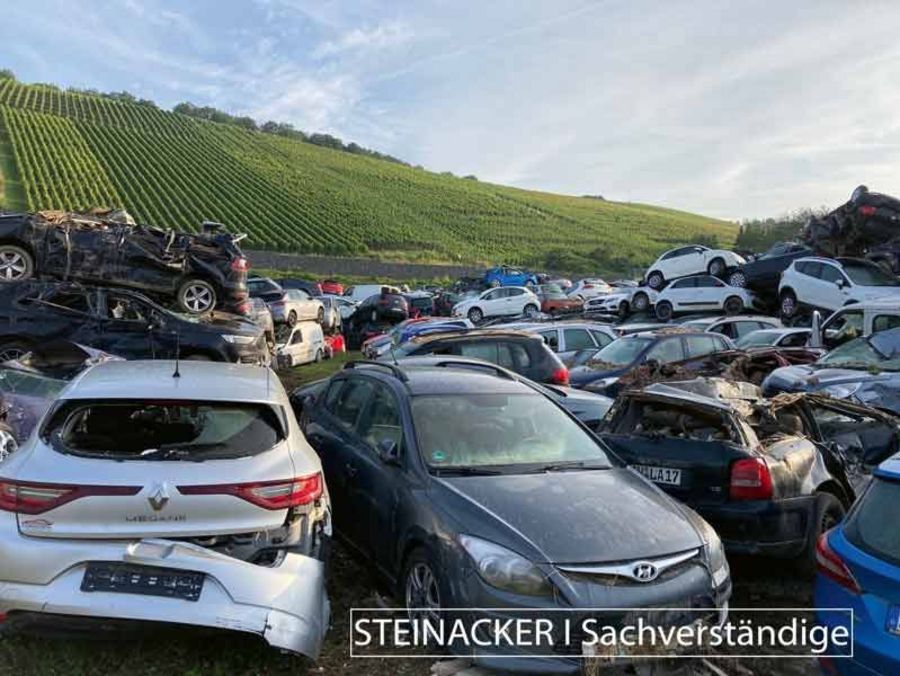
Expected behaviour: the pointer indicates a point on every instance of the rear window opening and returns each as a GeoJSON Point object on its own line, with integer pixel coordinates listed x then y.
{"type": "Point", "coordinates": [163, 430]}
{"type": "Point", "coordinates": [866, 526]}
{"type": "Point", "coordinates": [660, 419]}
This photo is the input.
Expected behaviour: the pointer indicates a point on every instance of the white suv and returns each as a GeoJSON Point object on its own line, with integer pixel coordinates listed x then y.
{"type": "Point", "coordinates": [169, 493]}
{"type": "Point", "coordinates": [690, 260]}
{"type": "Point", "coordinates": [502, 301]}
{"type": "Point", "coordinates": [831, 283]}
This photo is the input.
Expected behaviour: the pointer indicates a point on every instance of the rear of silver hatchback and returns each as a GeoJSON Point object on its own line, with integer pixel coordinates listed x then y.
{"type": "Point", "coordinates": [199, 512]}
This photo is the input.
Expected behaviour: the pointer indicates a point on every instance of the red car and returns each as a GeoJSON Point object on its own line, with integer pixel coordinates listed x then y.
{"type": "Point", "coordinates": [334, 344]}
{"type": "Point", "coordinates": [554, 301]}
{"type": "Point", "coordinates": [332, 286]}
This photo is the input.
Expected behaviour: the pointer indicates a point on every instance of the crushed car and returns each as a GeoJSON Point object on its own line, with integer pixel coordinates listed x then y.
{"type": "Point", "coordinates": [196, 272]}
{"type": "Point", "coordinates": [867, 219]}
{"type": "Point", "coordinates": [769, 475]}
{"type": "Point", "coordinates": [145, 496]}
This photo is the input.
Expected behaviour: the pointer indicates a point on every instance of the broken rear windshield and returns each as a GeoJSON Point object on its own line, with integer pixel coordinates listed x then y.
{"type": "Point", "coordinates": [163, 430]}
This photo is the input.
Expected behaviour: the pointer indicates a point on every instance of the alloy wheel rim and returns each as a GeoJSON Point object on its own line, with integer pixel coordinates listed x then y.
{"type": "Point", "coordinates": [11, 354]}
{"type": "Point", "coordinates": [422, 591]}
{"type": "Point", "coordinates": [12, 265]}
{"type": "Point", "coordinates": [737, 279]}
{"type": "Point", "coordinates": [787, 306]}
{"type": "Point", "coordinates": [197, 298]}
{"type": "Point", "coordinates": [640, 302]}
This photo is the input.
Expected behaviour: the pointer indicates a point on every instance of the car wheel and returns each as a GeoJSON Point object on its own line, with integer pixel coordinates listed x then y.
{"type": "Point", "coordinates": [421, 585]}
{"type": "Point", "coordinates": [623, 309]}
{"type": "Point", "coordinates": [320, 316]}
{"type": "Point", "coordinates": [475, 315]}
{"type": "Point", "coordinates": [655, 280]}
{"type": "Point", "coordinates": [318, 356]}
{"type": "Point", "coordinates": [716, 267]}
{"type": "Point", "coordinates": [531, 310]}
{"type": "Point", "coordinates": [196, 296]}
{"type": "Point", "coordinates": [13, 351]}
{"type": "Point", "coordinates": [829, 511]}
{"type": "Point", "coordinates": [733, 306]}
{"type": "Point", "coordinates": [640, 302]}
{"type": "Point", "coordinates": [291, 319]}
{"type": "Point", "coordinates": [737, 278]}
{"type": "Point", "coordinates": [16, 264]}
{"type": "Point", "coordinates": [664, 310]}
{"type": "Point", "coordinates": [787, 304]}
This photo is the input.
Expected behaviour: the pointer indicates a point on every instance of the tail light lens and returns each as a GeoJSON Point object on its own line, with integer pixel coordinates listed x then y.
{"type": "Point", "coordinates": [36, 498]}
{"type": "Point", "coordinates": [560, 376]}
{"type": "Point", "coordinates": [588, 286]}
{"type": "Point", "coordinates": [240, 264]}
{"type": "Point", "coordinates": [867, 210]}
{"type": "Point", "coordinates": [830, 565]}
{"type": "Point", "coordinates": [282, 494]}
{"type": "Point", "coordinates": [750, 480]}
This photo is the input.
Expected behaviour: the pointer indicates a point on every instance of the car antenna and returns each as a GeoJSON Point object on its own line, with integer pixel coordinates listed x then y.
{"type": "Point", "coordinates": [177, 373]}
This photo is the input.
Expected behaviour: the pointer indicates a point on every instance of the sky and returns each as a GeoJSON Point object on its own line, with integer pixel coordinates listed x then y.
{"type": "Point", "coordinates": [735, 110]}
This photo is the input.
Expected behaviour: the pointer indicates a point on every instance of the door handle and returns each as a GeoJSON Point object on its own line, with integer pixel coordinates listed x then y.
{"type": "Point", "coordinates": [350, 470]}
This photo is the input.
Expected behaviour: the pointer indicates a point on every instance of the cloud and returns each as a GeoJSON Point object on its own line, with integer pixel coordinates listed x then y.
{"type": "Point", "coordinates": [381, 36]}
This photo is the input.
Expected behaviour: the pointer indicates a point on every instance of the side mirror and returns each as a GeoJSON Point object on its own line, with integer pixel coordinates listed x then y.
{"type": "Point", "coordinates": [841, 283]}
{"type": "Point", "coordinates": [389, 452]}
{"type": "Point", "coordinates": [815, 333]}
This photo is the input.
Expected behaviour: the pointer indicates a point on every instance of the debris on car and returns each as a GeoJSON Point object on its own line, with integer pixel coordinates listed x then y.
{"type": "Point", "coordinates": [866, 220]}
{"type": "Point", "coordinates": [195, 272]}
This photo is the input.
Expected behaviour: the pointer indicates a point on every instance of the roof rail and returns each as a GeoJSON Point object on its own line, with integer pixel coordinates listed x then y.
{"type": "Point", "coordinates": [395, 370]}
{"type": "Point", "coordinates": [499, 370]}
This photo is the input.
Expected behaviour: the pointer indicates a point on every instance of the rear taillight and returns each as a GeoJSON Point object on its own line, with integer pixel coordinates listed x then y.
{"type": "Point", "coordinates": [560, 376]}
{"type": "Point", "coordinates": [830, 565]}
{"type": "Point", "coordinates": [588, 286]}
{"type": "Point", "coordinates": [267, 494]}
{"type": "Point", "coordinates": [867, 210]}
{"type": "Point", "coordinates": [750, 480]}
{"type": "Point", "coordinates": [240, 264]}
{"type": "Point", "coordinates": [25, 497]}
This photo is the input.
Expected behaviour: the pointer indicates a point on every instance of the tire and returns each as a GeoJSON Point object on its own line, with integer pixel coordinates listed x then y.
{"type": "Point", "coordinates": [318, 356]}
{"type": "Point", "coordinates": [737, 278]}
{"type": "Point", "coordinates": [420, 584]}
{"type": "Point", "coordinates": [16, 264]}
{"type": "Point", "coordinates": [716, 267]}
{"type": "Point", "coordinates": [655, 280]}
{"type": "Point", "coordinates": [196, 296]}
{"type": "Point", "coordinates": [291, 319]}
{"type": "Point", "coordinates": [475, 315]}
{"type": "Point", "coordinates": [664, 311]}
{"type": "Point", "coordinates": [623, 309]}
{"type": "Point", "coordinates": [531, 310]}
{"type": "Point", "coordinates": [829, 511]}
{"type": "Point", "coordinates": [640, 302]}
{"type": "Point", "coordinates": [733, 306]}
{"type": "Point", "coordinates": [787, 304]}
{"type": "Point", "coordinates": [320, 315]}
{"type": "Point", "coordinates": [11, 351]}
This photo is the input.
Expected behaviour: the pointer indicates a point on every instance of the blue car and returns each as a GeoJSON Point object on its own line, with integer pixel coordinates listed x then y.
{"type": "Point", "coordinates": [859, 567]}
{"type": "Point", "coordinates": [503, 275]}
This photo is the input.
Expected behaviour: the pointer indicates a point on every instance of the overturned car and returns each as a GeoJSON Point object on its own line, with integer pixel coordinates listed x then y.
{"type": "Point", "coordinates": [196, 501]}
{"type": "Point", "coordinates": [769, 475]}
{"type": "Point", "coordinates": [196, 272]}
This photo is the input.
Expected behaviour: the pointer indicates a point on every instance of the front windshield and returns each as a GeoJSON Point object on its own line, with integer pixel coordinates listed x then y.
{"type": "Point", "coordinates": [860, 354]}
{"type": "Point", "coordinates": [621, 352]}
{"type": "Point", "coordinates": [869, 275]}
{"type": "Point", "coordinates": [552, 291]}
{"type": "Point", "coordinates": [507, 432]}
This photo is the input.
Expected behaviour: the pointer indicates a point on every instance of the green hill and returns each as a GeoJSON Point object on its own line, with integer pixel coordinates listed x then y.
{"type": "Point", "coordinates": [68, 150]}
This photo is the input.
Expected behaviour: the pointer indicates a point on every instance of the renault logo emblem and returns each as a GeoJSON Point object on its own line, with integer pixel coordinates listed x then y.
{"type": "Point", "coordinates": [159, 497]}
{"type": "Point", "coordinates": [644, 572]}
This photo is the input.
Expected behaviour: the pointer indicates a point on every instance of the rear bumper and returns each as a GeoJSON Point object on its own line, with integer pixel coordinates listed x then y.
{"type": "Point", "coordinates": [778, 528]}
{"type": "Point", "coordinates": [286, 604]}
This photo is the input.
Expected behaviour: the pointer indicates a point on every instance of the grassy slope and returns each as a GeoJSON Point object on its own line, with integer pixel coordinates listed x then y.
{"type": "Point", "coordinates": [167, 169]}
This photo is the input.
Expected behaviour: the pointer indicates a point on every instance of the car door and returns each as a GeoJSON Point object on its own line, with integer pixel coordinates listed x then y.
{"type": "Point", "coordinates": [575, 340]}
{"type": "Point", "coordinates": [667, 350]}
{"type": "Point", "coordinates": [492, 303]}
{"type": "Point", "coordinates": [516, 300]}
{"type": "Point", "coordinates": [835, 288]}
{"type": "Point", "coordinates": [842, 326]}
{"type": "Point", "coordinates": [299, 347]}
{"type": "Point", "coordinates": [691, 261]}
{"type": "Point", "coordinates": [682, 293]}
{"type": "Point", "coordinates": [126, 327]}
{"type": "Point", "coordinates": [553, 339]}
{"type": "Point", "coordinates": [710, 293]}
{"type": "Point", "coordinates": [68, 313]}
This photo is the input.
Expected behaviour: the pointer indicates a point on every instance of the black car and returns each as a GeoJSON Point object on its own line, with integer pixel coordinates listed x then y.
{"type": "Point", "coordinates": [602, 371]}
{"type": "Point", "coordinates": [121, 322]}
{"type": "Point", "coordinates": [519, 351]}
{"type": "Point", "coordinates": [467, 488]}
{"type": "Point", "coordinates": [198, 272]}
{"type": "Point", "coordinates": [762, 274]}
{"type": "Point", "coordinates": [312, 288]}
{"type": "Point", "coordinates": [769, 475]}
{"type": "Point", "coordinates": [376, 314]}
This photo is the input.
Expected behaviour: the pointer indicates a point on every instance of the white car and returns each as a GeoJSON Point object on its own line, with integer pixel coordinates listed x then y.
{"type": "Point", "coordinates": [702, 292]}
{"type": "Point", "coordinates": [588, 288]}
{"type": "Point", "coordinates": [166, 492]}
{"type": "Point", "coordinates": [831, 283]}
{"type": "Point", "coordinates": [690, 260]}
{"type": "Point", "coordinates": [783, 337]}
{"type": "Point", "coordinates": [345, 306]}
{"type": "Point", "coordinates": [623, 301]}
{"type": "Point", "coordinates": [733, 327]}
{"type": "Point", "coordinates": [304, 343]}
{"type": "Point", "coordinates": [502, 301]}
{"type": "Point", "coordinates": [360, 292]}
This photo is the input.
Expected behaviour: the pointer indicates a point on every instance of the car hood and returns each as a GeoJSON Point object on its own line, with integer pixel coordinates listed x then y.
{"type": "Point", "coordinates": [582, 375]}
{"type": "Point", "coordinates": [572, 517]}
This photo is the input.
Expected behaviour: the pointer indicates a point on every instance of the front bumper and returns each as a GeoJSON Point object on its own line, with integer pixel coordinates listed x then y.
{"type": "Point", "coordinates": [285, 604]}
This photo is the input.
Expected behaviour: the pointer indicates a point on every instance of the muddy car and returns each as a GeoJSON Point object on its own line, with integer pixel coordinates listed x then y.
{"type": "Point", "coordinates": [194, 272]}
{"type": "Point", "coordinates": [769, 475]}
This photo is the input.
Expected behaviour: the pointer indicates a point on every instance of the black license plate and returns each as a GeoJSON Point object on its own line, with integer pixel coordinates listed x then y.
{"type": "Point", "coordinates": [128, 578]}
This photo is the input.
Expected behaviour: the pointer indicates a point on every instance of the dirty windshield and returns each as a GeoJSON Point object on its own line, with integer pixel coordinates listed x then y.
{"type": "Point", "coordinates": [14, 381]}
{"type": "Point", "coordinates": [508, 433]}
{"type": "Point", "coordinates": [163, 430]}
{"type": "Point", "coordinates": [619, 353]}
{"type": "Point", "coordinates": [878, 352]}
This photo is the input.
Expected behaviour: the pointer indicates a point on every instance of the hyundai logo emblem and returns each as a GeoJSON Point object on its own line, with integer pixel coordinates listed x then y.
{"type": "Point", "coordinates": [159, 497]}
{"type": "Point", "coordinates": [644, 571]}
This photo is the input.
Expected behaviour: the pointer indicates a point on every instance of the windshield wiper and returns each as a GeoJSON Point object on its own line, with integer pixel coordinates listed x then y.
{"type": "Point", "coordinates": [572, 465]}
{"type": "Point", "coordinates": [465, 471]}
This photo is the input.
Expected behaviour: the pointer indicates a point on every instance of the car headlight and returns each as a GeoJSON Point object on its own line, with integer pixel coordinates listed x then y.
{"type": "Point", "coordinates": [501, 568]}
{"type": "Point", "coordinates": [715, 552]}
{"type": "Point", "coordinates": [844, 391]}
{"type": "Point", "coordinates": [236, 339]}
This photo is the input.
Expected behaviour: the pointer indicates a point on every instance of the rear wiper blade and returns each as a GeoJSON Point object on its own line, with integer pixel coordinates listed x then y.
{"type": "Point", "coordinates": [466, 471]}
